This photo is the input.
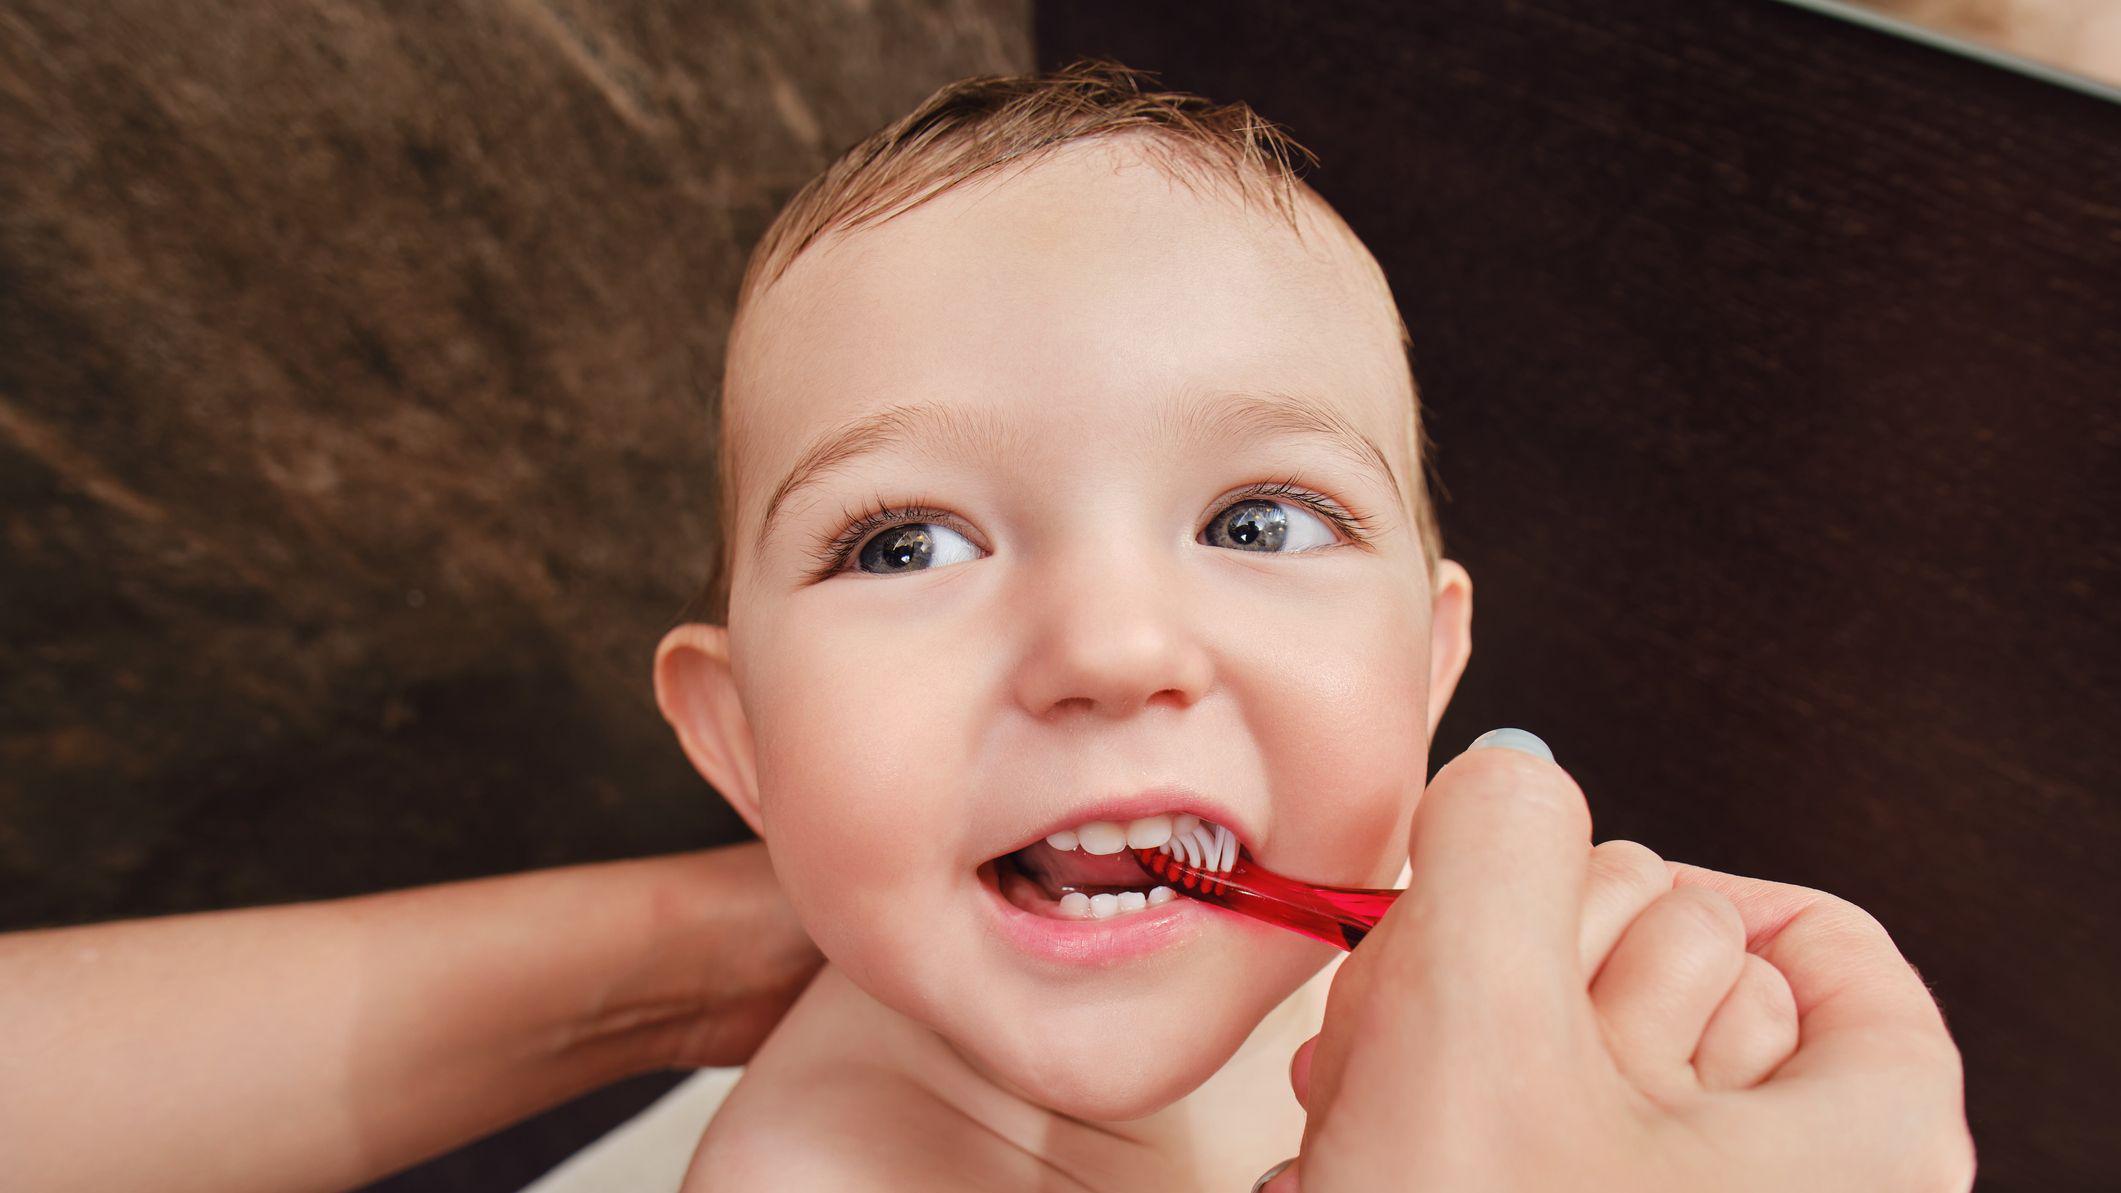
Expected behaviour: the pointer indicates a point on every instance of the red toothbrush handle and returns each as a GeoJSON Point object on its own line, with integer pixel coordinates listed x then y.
{"type": "Point", "coordinates": [1340, 916]}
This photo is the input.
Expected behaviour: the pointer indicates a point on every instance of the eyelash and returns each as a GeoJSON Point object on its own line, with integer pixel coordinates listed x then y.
{"type": "Point", "coordinates": [831, 556]}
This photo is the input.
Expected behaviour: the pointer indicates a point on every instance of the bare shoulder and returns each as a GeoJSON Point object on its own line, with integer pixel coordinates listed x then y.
{"type": "Point", "coordinates": [850, 1129]}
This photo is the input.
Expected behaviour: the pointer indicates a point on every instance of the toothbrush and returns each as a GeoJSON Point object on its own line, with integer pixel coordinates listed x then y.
{"type": "Point", "coordinates": [1206, 862]}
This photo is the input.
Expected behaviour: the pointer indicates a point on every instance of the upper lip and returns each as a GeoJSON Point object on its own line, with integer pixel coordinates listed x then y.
{"type": "Point", "coordinates": [1167, 798]}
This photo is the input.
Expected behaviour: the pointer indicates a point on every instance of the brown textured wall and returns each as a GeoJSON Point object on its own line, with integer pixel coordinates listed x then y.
{"type": "Point", "coordinates": [352, 443]}
{"type": "Point", "coordinates": [352, 453]}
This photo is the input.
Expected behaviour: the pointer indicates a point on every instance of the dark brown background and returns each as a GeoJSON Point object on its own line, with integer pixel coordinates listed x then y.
{"type": "Point", "coordinates": [351, 453]}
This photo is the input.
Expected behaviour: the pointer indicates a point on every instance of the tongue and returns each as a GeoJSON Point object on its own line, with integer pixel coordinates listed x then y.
{"type": "Point", "coordinates": [1060, 871]}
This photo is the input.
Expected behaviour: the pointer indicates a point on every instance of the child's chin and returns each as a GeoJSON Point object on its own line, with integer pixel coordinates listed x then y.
{"type": "Point", "coordinates": [1106, 1084]}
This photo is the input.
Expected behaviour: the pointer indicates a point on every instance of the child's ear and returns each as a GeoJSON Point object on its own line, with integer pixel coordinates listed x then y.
{"type": "Point", "coordinates": [696, 689]}
{"type": "Point", "coordinates": [1450, 636]}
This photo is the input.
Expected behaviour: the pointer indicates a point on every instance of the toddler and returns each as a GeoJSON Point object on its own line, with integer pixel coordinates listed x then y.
{"type": "Point", "coordinates": [1071, 484]}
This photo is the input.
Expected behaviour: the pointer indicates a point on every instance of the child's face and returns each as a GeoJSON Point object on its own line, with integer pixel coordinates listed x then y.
{"type": "Point", "coordinates": [1092, 615]}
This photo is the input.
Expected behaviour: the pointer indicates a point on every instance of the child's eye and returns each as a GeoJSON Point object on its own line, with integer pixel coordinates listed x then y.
{"type": "Point", "coordinates": [917, 537]}
{"type": "Point", "coordinates": [1263, 525]}
{"type": "Point", "coordinates": [913, 547]}
{"type": "Point", "coordinates": [1256, 520]}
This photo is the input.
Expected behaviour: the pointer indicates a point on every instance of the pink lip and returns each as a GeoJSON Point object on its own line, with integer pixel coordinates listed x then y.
{"type": "Point", "coordinates": [1111, 941]}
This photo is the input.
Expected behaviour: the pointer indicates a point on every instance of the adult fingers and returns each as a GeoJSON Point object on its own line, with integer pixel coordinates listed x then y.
{"type": "Point", "coordinates": [1854, 991]}
{"type": "Point", "coordinates": [1300, 1071]}
{"type": "Point", "coordinates": [1500, 846]}
{"type": "Point", "coordinates": [1477, 957]}
{"type": "Point", "coordinates": [1872, 1045]}
{"type": "Point", "coordinates": [1751, 1033]}
{"type": "Point", "coordinates": [1656, 994]}
{"type": "Point", "coordinates": [1624, 878]}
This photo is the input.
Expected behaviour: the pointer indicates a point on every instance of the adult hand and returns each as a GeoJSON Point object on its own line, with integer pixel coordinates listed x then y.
{"type": "Point", "coordinates": [1496, 1032]}
{"type": "Point", "coordinates": [343, 1040]}
{"type": "Point", "coordinates": [723, 960]}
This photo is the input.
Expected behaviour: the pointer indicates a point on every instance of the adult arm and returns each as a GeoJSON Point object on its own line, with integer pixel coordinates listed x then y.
{"type": "Point", "coordinates": [318, 1046]}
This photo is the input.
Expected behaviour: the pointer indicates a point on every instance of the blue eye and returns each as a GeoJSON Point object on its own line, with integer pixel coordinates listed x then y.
{"type": "Point", "coordinates": [1263, 526]}
{"type": "Point", "coordinates": [913, 547]}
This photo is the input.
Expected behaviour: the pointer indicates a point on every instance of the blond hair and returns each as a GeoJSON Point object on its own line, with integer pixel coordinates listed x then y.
{"type": "Point", "coordinates": [976, 125]}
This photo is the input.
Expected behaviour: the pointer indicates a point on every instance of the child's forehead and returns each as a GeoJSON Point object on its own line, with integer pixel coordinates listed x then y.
{"type": "Point", "coordinates": [1093, 206]}
{"type": "Point", "coordinates": [1093, 271]}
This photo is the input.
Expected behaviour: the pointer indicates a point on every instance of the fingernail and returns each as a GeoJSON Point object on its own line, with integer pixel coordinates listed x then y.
{"type": "Point", "coordinates": [1271, 1173]}
{"type": "Point", "coordinates": [1512, 739]}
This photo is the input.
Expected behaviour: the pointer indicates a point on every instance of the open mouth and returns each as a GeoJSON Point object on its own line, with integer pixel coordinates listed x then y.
{"type": "Point", "coordinates": [1073, 885]}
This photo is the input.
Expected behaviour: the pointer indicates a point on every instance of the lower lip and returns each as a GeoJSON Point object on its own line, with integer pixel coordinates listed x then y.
{"type": "Point", "coordinates": [1093, 942]}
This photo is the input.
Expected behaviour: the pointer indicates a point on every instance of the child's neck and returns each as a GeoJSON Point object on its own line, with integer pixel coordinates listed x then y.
{"type": "Point", "coordinates": [1222, 1135]}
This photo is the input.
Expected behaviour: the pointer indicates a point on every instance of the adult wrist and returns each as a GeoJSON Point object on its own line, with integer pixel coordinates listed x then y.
{"type": "Point", "coordinates": [718, 959]}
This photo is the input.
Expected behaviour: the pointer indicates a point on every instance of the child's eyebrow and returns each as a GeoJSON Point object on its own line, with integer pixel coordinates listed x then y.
{"type": "Point", "coordinates": [1221, 417]}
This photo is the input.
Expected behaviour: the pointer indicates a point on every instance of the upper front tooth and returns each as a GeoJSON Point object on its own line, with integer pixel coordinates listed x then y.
{"type": "Point", "coordinates": [1101, 836]}
{"type": "Point", "coordinates": [1111, 836]}
{"type": "Point", "coordinates": [1148, 832]}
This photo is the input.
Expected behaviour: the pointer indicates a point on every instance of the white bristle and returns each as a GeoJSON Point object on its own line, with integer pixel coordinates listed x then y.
{"type": "Point", "coordinates": [1204, 847]}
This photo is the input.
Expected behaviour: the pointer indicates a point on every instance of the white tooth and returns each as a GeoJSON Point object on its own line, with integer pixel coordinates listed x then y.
{"type": "Point", "coordinates": [1184, 822]}
{"type": "Point", "coordinates": [1064, 839]}
{"type": "Point", "coordinates": [1101, 837]}
{"type": "Point", "coordinates": [1148, 832]}
{"type": "Point", "coordinates": [1162, 894]}
{"type": "Point", "coordinates": [1075, 905]}
{"type": "Point", "coordinates": [1104, 906]}
{"type": "Point", "coordinates": [1132, 900]}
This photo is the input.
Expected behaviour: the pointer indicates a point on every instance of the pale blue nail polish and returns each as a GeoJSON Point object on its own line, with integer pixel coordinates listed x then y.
{"type": "Point", "coordinates": [1512, 739]}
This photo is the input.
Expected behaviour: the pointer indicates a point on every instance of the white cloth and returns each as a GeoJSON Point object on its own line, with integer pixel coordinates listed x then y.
{"type": "Point", "coordinates": [649, 1152]}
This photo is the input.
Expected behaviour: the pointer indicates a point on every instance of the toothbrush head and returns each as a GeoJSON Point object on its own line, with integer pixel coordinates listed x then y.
{"type": "Point", "coordinates": [1194, 858]}
{"type": "Point", "coordinates": [1204, 862]}
{"type": "Point", "coordinates": [1204, 846]}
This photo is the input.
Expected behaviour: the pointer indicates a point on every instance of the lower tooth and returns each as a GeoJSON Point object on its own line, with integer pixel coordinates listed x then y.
{"type": "Point", "coordinates": [1076, 905]}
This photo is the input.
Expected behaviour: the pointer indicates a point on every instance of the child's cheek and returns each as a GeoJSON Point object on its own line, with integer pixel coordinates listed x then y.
{"type": "Point", "coordinates": [1354, 834]}
{"type": "Point", "coordinates": [1344, 803]}
{"type": "Point", "coordinates": [848, 855]}
{"type": "Point", "coordinates": [859, 816]}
